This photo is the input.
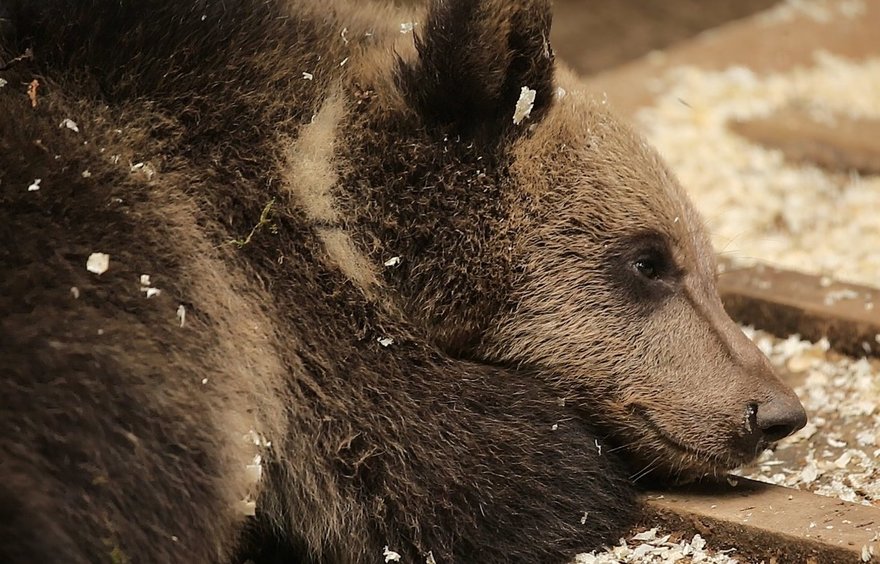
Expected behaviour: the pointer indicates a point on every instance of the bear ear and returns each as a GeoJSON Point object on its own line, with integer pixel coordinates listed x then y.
{"type": "Point", "coordinates": [474, 58]}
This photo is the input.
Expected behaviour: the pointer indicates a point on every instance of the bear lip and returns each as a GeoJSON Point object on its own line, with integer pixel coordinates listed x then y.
{"type": "Point", "coordinates": [709, 462]}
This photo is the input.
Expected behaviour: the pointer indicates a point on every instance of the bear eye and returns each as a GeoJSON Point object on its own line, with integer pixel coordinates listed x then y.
{"type": "Point", "coordinates": [643, 265]}
{"type": "Point", "coordinates": [653, 262]}
{"type": "Point", "coordinates": [649, 267]}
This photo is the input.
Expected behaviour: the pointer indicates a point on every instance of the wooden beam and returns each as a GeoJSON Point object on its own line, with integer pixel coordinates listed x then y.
{"type": "Point", "coordinates": [839, 142]}
{"type": "Point", "coordinates": [770, 523]}
{"type": "Point", "coordinates": [784, 302]}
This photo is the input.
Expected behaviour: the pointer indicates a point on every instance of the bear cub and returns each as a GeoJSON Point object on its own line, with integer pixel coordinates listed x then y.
{"type": "Point", "coordinates": [338, 282]}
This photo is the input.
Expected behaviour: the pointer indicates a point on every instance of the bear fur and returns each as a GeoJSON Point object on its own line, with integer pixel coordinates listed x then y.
{"type": "Point", "coordinates": [351, 306]}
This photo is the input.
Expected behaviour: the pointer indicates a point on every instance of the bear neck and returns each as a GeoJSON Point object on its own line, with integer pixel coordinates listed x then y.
{"type": "Point", "coordinates": [433, 209]}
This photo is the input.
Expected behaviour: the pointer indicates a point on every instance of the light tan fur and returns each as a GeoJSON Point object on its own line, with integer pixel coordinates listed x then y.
{"type": "Point", "coordinates": [310, 174]}
{"type": "Point", "coordinates": [348, 258]}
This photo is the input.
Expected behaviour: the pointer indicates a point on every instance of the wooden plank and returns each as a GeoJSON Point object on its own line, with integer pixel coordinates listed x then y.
{"type": "Point", "coordinates": [770, 523]}
{"type": "Point", "coordinates": [783, 303]}
{"type": "Point", "coordinates": [838, 142]}
{"type": "Point", "coordinates": [592, 36]}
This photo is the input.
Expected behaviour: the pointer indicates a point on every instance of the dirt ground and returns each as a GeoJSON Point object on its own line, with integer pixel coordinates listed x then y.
{"type": "Point", "coordinates": [596, 35]}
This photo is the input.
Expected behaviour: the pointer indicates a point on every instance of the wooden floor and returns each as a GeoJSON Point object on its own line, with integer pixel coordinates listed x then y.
{"type": "Point", "coordinates": [594, 35]}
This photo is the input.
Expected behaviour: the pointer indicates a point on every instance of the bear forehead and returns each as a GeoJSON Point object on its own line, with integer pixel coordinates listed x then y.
{"type": "Point", "coordinates": [584, 167]}
{"type": "Point", "coordinates": [597, 165]}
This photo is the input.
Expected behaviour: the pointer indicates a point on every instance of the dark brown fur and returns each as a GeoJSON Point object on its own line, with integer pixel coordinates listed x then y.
{"type": "Point", "coordinates": [520, 343]}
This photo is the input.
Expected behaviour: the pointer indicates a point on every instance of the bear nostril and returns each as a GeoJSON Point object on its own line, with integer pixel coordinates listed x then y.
{"type": "Point", "coordinates": [780, 417]}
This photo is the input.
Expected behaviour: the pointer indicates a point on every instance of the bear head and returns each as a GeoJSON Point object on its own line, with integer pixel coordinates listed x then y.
{"type": "Point", "coordinates": [537, 230]}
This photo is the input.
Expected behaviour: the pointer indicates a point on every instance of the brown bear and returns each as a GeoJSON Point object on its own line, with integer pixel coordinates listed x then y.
{"type": "Point", "coordinates": [341, 283]}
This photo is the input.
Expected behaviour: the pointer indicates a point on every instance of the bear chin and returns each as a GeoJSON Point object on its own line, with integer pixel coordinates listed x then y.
{"type": "Point", "coordinates": [667, 459]}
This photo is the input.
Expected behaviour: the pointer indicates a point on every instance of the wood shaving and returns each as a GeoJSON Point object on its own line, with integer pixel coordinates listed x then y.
{"type": "Point", "coordinates": [146, 288]}
{"type": "Point", "coordinates": [248, 507]}
{"type": "Point", "coordinates": [69, 124]}
{"type": "Point", "coordinates": [255, 469]}
{"type": "Point", "coordinates": [28, 54]}
{"type": "Point", "coordinates": [524, 104]}
{"type": "Point", "coordinates": [145, 168]}
{"type": "Point", "coordinates": [32, 92]}
{"type": "Point", "coordinates": [649, 547]}
{"type": "Point", "coordinates": [98, 263]}
{"type": "Point", "coordinates": [390, 555]}
{"type": "Point", "coordinates": [257, 439]}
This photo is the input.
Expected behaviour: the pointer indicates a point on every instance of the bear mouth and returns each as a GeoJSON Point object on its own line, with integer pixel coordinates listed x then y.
{"type": "Point", "coordinates": [696, 460]}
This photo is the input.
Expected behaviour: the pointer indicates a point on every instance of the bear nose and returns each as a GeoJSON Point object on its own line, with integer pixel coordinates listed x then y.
{"type": "Point", "coordinates": [780, 417]}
